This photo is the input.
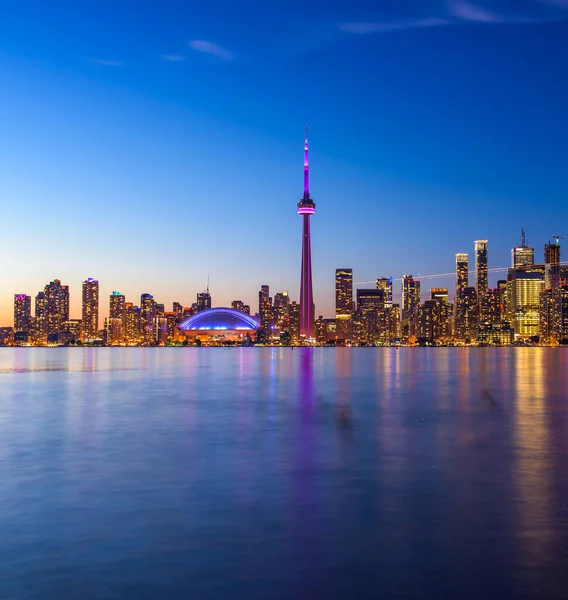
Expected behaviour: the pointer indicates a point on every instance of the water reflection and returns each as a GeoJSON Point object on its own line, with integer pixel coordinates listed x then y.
{"type": "Point", "coordinates": [265, 473]}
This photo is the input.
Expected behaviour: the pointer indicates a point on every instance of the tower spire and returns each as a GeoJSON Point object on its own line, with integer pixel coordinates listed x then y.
{"type": "Point", "coordinates": [523, 239]}
{"type": "Point", "coordinates": [306, 169]}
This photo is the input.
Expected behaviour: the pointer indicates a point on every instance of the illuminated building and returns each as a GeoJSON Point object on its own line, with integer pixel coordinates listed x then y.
{"type": "Point", "coordinates": [370, 302]}
{"type": "Point", "coordinates": [160, 310]}
{"type": "Point", "coordinates": [177, 308]}
{"type": "Point", "coordinates": [90, 309]}
{"type": "Point", "coordinates": [561, 314]}
{"type": "Point", "coordinates": [462, 271]}
{"type": "Point", "coordinates": [385, 283]}
{"type": "Point", "coordinates": [132, 323]}
{"type": "Point", "coordinates": [522, 255]}
{"type": "Point", "coordinates": [39, 329]}
{"type": "Point", "coordinates": [497, 334]}
{"type": "Point", "coordinates": [218, 325]}
{"type": "Point", "coordinates": [524, 288]}
{"type": "Point", "coordinates": [465, 315]}
{"type": "Point", "coordinates": [343, 302]}
{"type": "Point", "coordinates": [265, 309]}
{"type": "Point", "coordinates": [57, 303]}
{"type": "Point", "coordinates": [442, 313]}
{"type": "Point", "coordinates": [22, 312]}
{"type": "Point", "coordinates": [240, 306]}
{"type": "Point", "coordinates": [410, 304]}
{"type": "Point", "coordinates": [115, 333]}
{"type": "Point", "coordinates": [71, 331]}
{"type": "Point", "coordinates": [6, 336]}
{"type": "Point", "coordinates": [551, 266]}
{"type": "Point", "coordinates": [147, 319]}
{"type": "Point", "coordinates": [481, 275]}
{"type": "Point", "coordinates": [117, 312]}
{"type": "Point", "coordinates": [281, 311]}
{"type": "Point", "coordinates": [502, 292]}
{"type": "Point", "coordinates": [295, 322]}
{"type": "Point", "coordinates": [171, 325]}
{"type": "Point", "coordinates": [203, 301]}
{"type": "Point", "coordinates": [306, 208]}
{"type": "Point", "coordinates": [428, 321]}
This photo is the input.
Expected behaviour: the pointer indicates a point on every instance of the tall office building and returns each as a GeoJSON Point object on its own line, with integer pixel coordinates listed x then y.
{"type": "Point", "coordinates": [524, 290]}
{"type": "Point", "coordinates": [410, 304]}
{"type": "Point", "coordinates": [481, 277]}
{"type": "Point", "coordinates": [203, 300]}
{"type": "Point", "coordinates": [367, 321]}
{"type": "Point", "coordinates": [90, 309]}
{"type": "Point", "coordinates": [132, 323]}
{"type": "Point", "coordinates": [343, 302]}
{"type": "Point", "coordinates": [57, 299]}
{"type": "Point", "coordinates": [147, 319]}
{"type": "Point", "coordinates": [385, 283]}
{"type": "Point", "coordinates": [281, 311]}
{"type": "Point", "coordinates": [39, 332]}
{"type": "Point", "coordinates": [265, 308]}
{"type": "Point", "coordinates": [466, 315]}
{"type": "Point", "coordinates": [177, 309]}
{"type": "Point", "coordinates": [117, 317]}
{"type": "Point", "coordinates": [306, 208]}
{"type": "Point", "coordinates": [522, 255]}
{"type": "Point", "coordinates": [22, 312]}
{"type": "Point", "coordinates": [462, 271]}
{"type": "Point", "coordinates": [552, 266]}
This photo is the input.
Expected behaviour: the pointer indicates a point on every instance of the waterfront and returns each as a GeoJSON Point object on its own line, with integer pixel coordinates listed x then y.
{"type": "Point", "coordinates": [283, 473]}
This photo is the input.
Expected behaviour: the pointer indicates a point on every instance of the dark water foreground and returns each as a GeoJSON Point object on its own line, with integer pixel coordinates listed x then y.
{"type": "Point", "coordinates": [276, 473]}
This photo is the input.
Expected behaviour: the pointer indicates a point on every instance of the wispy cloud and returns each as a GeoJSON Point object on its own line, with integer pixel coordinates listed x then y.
{"type": "Point", "coordinates": [472, 12]}
{"type": "Point", "coordinates": [459, 12]}
{"type": "Point", "coordinates": [103, 62]}
{"type": "Point", "coordinates": [210, 48]}
{"type": "Point", "coordinates": [172, 58]}
{"type": "Point", "coordinates": [383, 27]}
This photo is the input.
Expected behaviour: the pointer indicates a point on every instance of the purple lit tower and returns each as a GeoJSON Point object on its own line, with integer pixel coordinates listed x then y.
{"type": "Point", "coordinates": [306, 208]}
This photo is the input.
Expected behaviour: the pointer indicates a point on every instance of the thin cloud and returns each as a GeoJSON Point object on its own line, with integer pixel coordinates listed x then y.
{"type": "Point", "coordinates": [361, 28]}
{"type": "Point", "coordinates": [210, 48]}
{"type": "Point", "coordinates": [172, 58]}
{"type": "Point", "coordinates": [105, 63]}
{"type": "Point", "coordinates": [471, 12]}
{"type": "Point", "coordinates": [460, 12]}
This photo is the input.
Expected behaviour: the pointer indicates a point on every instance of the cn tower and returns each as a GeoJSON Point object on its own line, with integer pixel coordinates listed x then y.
{"type": "Point", "coordinates": [306, 208]}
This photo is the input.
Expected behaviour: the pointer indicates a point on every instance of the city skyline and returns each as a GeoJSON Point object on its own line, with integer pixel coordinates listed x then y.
{"type": "Point", "coordinates": [144, 158]}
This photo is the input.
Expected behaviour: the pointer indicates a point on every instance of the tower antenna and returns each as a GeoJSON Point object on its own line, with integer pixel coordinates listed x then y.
{"type": "Point", "coordinates": [306, 168]}
{"type": "Point", "coordinates": [523, 237]}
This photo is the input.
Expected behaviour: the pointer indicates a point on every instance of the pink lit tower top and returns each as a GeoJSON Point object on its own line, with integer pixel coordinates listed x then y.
{"type": "Point", "coordinates": [306, 208]}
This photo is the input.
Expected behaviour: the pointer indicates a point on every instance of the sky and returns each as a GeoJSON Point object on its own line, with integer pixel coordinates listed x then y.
{"type": "Point", "coordinates": [152, 144]}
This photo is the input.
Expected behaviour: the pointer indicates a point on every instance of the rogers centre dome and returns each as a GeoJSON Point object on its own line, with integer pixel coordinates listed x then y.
{"type": "Point", "coordinates": [225, 322]}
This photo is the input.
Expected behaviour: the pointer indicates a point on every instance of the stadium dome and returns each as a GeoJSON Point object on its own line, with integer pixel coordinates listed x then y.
{"type": "Point", "coordinates": [219, 320]}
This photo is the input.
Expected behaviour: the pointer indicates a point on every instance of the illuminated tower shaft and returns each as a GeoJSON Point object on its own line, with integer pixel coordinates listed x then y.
{"type": "Point", "coordinates": [306, 208]}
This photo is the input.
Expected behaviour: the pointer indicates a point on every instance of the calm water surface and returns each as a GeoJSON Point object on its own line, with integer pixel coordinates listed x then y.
{"type": "Point", "coordinates": [275, 473]}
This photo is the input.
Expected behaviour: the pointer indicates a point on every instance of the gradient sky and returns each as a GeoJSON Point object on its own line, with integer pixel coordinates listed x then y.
{"type": "Point", "coordinates": [151, 143]}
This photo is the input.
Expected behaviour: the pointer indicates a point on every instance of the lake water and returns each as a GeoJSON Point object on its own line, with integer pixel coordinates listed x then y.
{"type": "Point", "coordinates": [266, 473]}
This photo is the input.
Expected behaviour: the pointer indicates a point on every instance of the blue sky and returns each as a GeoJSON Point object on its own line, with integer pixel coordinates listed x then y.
{"type": "Point", "coordinates": [153, 143]}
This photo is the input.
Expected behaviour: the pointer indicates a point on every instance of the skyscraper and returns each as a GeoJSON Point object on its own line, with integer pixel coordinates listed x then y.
{"type": "Point", "coordinates": [552, 266]}
{"type": "Point", "coordinates": [147, 319]}
{"type": "Point", "coordinates": [462, 271]}
{"type": "Point", "coordinates": [265, 308]}
{"type": "Point", "coordinates": [385, 283]}
{"type": "Point", "coordinates": [57, 299]}
{"type": "Point", "coordinates": [203, 300]}
{"type": "Point", "coordinates": [40, 320]}
{"type": "Point", "coordinates": [481, 276]}
{"type": "Point", "coordinates": [22, 312]}
{"type": "Point", "coordinates": [90, 309]}
{"type": "Point", "coordinates": [343, 302]}
{"type": "Point", "coordinates": [410, 304]}
{"type": "Point", "coordinates": [306, 208]}
{"type": "Point", "coordinates": [522, 255]}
